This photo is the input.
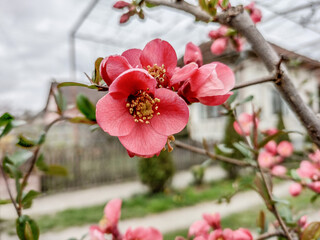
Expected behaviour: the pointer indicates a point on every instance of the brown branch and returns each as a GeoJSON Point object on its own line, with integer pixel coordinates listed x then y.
{"type": "Point", "coordinates": [254, 82]}
{"type": "Point", "coordinates": [9, 191]}
{"type": "Point", "coordinates": [270, 235]}
{"type": "Point", "coordinates": [212, 155]}
{"type": "Point", "coordinates": [240, 20]}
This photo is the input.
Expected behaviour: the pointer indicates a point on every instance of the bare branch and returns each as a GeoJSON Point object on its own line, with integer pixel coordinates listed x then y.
{"type": "Point", "coordinates": [270, 235]}
{"type": "Point", "coordinates": [254, 82]}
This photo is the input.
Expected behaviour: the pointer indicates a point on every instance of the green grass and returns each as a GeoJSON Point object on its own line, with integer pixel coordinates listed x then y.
{"type": "Point", "coordinates": [137, 206]}
{"type": "Point", "coordinates": [247, 219]}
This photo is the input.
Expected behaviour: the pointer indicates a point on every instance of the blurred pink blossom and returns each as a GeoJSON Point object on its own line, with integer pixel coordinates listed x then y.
{"type": "Point", "coordinates": [295, 189]}
{"type": "Point", "coordinates": [285, 149]}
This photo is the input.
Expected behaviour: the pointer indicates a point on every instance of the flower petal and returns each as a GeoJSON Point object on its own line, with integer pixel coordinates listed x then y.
{"type": "Point", "coordinates": [226, 75]}
{"type": "Point", "coordinates": [214, 100]}
{"type": "Point", "coordinates": [193, 54]}
{"type": "Point", "coordinates": [183, 74]}
{"type": "Point", "coordinates": [116, 65]}
{"type": "Point", "coordinates": [133, 57]}
{"type": "Point", "coordinates": [113, 116]}
{"type": "Point", "coordinates": [159, 52]}
{"type": "Point", "coordinates": [143, 140]}
{"type": "Point", "coordinates": [132, 81]}
{"type": "Point", "coordinates": [174, 113]}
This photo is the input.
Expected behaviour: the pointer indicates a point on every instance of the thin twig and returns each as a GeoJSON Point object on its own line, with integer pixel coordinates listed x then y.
{"type": "Point", "coordinates": [254, 82]}
{"type": "Point", "coordinates": [270, 235]}
{"type": "Point", "coordinates": [9, 191]}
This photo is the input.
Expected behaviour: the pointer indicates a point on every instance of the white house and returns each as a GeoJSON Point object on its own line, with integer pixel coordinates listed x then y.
{"type": "Point", "coordinates": [206, 122]}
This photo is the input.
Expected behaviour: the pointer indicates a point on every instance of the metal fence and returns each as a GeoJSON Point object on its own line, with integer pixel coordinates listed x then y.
{"type": "Point", "coordinates": [100, 159]}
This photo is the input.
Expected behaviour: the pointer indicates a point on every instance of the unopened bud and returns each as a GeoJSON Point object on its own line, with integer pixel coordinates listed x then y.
{"type": "Point", "coordinates": [125, 17]}
{"type": "Point", "coordinates": [121, 4]}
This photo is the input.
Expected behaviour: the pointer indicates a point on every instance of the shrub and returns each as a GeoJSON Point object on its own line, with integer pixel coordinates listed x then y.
{"type": "Point", "coordinates": [156, 172]}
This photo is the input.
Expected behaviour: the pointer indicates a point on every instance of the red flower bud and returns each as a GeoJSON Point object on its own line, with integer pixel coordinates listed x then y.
{"type": "Point", "coordinates": [125, 17]}
{"type": "Point", "coordinates": [121, 4]}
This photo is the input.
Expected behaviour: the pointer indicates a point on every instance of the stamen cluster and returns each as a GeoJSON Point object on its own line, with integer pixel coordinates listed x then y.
{"type": "Point", "coordinates": [159, 73]}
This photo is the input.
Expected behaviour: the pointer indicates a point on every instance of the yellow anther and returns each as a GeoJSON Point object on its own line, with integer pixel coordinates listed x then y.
{"type": "Point", "coordinates": [147, 122]}
{"type": "Point", "coordinates": [158, 113]}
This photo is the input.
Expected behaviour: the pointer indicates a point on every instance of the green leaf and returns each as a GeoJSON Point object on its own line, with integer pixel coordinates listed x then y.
{"type": "Point", "coordinates": [41, 139]}
{"type": "Point", "coordinates": [81, 120]}
{"type": "Point", "coordinates": [244, 149]}
{"type": "Point", "coordinates": [96, 78]}
{"type": "Point", "coordinates": [5, 201]}
{"type": "Point", "coordinates": [11, 169]}
{"type": "Point", "coordinates": [6, 129]}
{"type": "Point", "coordinates": [225, 3]}
{"type": "Point", "coordinates": [261, 188]}
{"type": "Point", "coordinates": [28, 198]}
{"type": "Point", "coordinates": [27, 228]}
{"type": "Point", "coordinates": [262, 222]}
{"type": "Point", "coordinates": [150, 5]}
{"type": "Point", "coordinates": [86, 107]}
{"type": "Point", "coordinates": [295, 175]}
{"type": "Point", "coordinates": [279, 200]}
{"type": "Point", "coordinates": [314, 197]}
{"type": "Point", "coordinates": [41, 165]}
{"type": "Point", "coordinates": [56, 170]}
{"type": "Point", "coordinates": [233, 97]}
{"type": "Point", "coordinates": [224, 149]}
{"type": "Point", "coordinates": [20, 157]}
{"type": "Point", "coordinates": [5, 118]}
{"type": "Point", "coordinates": [247, 99]}
{"type": "Point", "coordinates": [94, 127]}
{"type": "Point", "coordinates": [285, 212]}
{"type": "Point", "coordinates": [312, 231]}
{"type": "Point", "coordinates": [60, 101]}
{"type": "Point", "coordinates": [26, 142]}
{"type": "Point", "coordinates": [68, 84]}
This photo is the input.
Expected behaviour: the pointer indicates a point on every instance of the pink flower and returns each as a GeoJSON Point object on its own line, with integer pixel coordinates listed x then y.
{"type": "Point", "coordinates": [95, 233]}
{"type": "Point", "coordinates": [265, 159]}
{"type": "Point", "coordinates": [220, 32]}
{"type": "Point", "coordinates": [254, 12]}
{"type": "Point", "coordinates": [242, 234]}
{"type": "Point", "coordinates": [226, 234]}
{"type": "Point", "coordinates": [193, 54]}
{"type": "Point", "coordinates": [121, 4]}
{"type": "Point", "coordinates": [315, 186]}
{"type": "Point", "coordinates": [307, 170]}
{"type": "Point", "coordinates": [213, 220]}
{"type": "Point", "coordinates": [239, 44]}
{"type": "Point", "coordinates": [246, 122]}
{"type": "Point", "coordinates": [315, 157]}
{"type": "Point", "coordinates": [141, 115]}
{"type": "Point", "coordinates": [303, 221]}
{"type": "Point", "coordinates": [285, 149]}
{"type": "Point", "coordinates": [279, 170]}
{"type": "Point", "coordinates": [219, 46]}
{"type": "Point", "coordinates": [209, 84]}
{"type": "Point", "coordinates": [199, 228]}
{"type": "Point", "coordinates": [295, 189]}
{"type": "Point", "coordinates": [158, 57]}
{"type": "Point", "coordinates": [271, 147]}
{"type": "Point", "coordinates": [271, 131]}
{"type": "Point", "coordinates": [141, 233]}
{"type": "Point", "coordinates": [112, 212]}
{"type": "Point", "coordinates": [200, 238]}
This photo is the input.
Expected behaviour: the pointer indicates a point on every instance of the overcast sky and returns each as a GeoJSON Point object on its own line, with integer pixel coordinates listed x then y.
{"type": "Point", "coordinates": [34, 46]}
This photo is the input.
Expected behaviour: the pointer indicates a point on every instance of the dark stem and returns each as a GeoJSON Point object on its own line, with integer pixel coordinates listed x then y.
{"type": "Point", "coordinates": [254, 82]}
{"type": "Point", "coordinates": [269, 235]}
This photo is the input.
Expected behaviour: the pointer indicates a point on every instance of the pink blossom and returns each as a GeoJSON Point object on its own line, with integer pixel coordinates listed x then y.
{"type": "Point", "coordinates": [271, 131]}
{"type": "Point", "coordinates": [254, 12]}
{"type": "Point", "coordinates": [210, 84]}
{"type": "Point", "coordinates": [239, 42]}
{"type": "Point", "coordinates": [213, 220]}
{"type": "Point", "coordinates": [219, 234]}
{"type": "Point", "coordinates": [141, 233]}
{"type": "Point", "coordinates": [246, 122]}
{"type": "Point", "coordinates": [219, 46]}
{"type": "Point", "coordinates": [279, 170]}
{"type": "Point", "coordinates": [199, 228]}
{"type": "Point", "coordinates": [121, 4]}
{"type": "Point", "coordinates": [315, 186]}
{"type": "Point", "coordinates": [303, 221]}
{"type": "Point", "coordinates": [141, 115]}
{"type": "Point", "coordinates": [271, 147]}
{"type": "Point", "coordinates": [242, 234]}
{"type": "Point", "coordinates": [315, 157]}
{"type": "Point", "coordinates": [200, 238]}
{"type": "Point", "coordinates": [307, 170]}
{"type": "Point", "coordinates": [265, 159]}
{"type": "Point", "coordinates": [95, 233]}
{"type": "Point", "coordinates": [158, 57]}
{"type": "Point", "coordinates": [285, 149]}
{"type": "Point", "coordinates": [193, 54]}
{"type": "Point", "coordinates": [112, 213]}
{"type": "Point", "coordinates": [295, 189]}
{"type": "Point", "coordinates": [220, 32]}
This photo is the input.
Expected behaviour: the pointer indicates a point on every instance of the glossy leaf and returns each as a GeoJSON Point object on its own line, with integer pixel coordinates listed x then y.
{"type": "Point", "coordinates": [60, 101]}
{"type": "Point", "coordinates": [86, 107]}
{"type": "Point", "coordinates": [26, 142]}
{"type": "Point", "coordinates": [5, 118]}
{"type": "Point", "coordinates": [28, 198]}
{"type": "Point", "coordinates": [57, 170]}
{"type": "Point", "coordinates": [27, 228]}
{"type": "Point", "coordinates": [312, 231]}
{"type": "Point", "coordinates": [6, 129]}
{"type": "Point", "coordinates": [222, 148]}
{"type": "Point", "coordinates": [245, 150]}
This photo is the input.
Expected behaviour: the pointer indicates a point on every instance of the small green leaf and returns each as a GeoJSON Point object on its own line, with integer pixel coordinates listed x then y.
{"type": "Point", "coordinates": [11, 169]}
{"type": "Point", "coordinates": [86, 107]}
{"type": "Point", "coordinates": [27, 228]}
{"type": "Point", "coordinates": [261, 188]}
{"type": "Point", "coordinates": [41, 165]}
{"type": "Point", "coordinates": [150, 5]}
{"type": "Point", "coordinates": [285, 212]}
{"type": "Point", "coordinates": [20, 157]}
{"type": "Point", "coordinates": [6, 129]}
{"type": "Point", "coordinates": [28, 198]}
{"type": "Point", "coordinates": [57, 170]}
{"type": "Point", "coordinates": [295, 175]}
{"type": "Point", "coordinates": [5, 118]}
{"type": "Point", "coordinates": [312, 231]}
{"type": "Point", "coordinates": [224, 149]}
{"type": "Point", "coordinates": [6, 201]}
{"type": "Point", "coordinates": [60, 101]}
{"type": "Point", "coordinates": [96, 78]}
{"type": "Point", "coordinates": [279, 200]}
{"type": "Point", "coordinates": [69, 84]}
{"type": "Point", "coordinates": [26, 142]}
{"type": "Point", "coordinates": [244, 149]}
{"type": "Point", "coordinates": [314, 197]}
{"type": "Point", "coordinates": [273, 136]}
{"type": "Point", "coordinates": [233, 97]}
{"type": "Point", "coordinates": [81, 120]}
{"type": "Point", "coordinates": [225, 3]}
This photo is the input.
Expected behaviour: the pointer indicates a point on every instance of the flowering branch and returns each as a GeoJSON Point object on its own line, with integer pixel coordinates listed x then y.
{"type": "Point", "coordinates": [270, 235]}
{"type": "Point", "coordinates": [240, 20]}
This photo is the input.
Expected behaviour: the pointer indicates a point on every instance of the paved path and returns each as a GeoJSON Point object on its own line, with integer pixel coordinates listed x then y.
{"type": "Point", "coordinates": [179, 218]}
